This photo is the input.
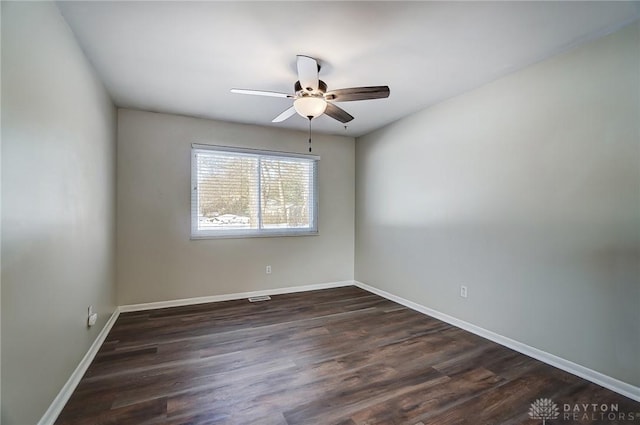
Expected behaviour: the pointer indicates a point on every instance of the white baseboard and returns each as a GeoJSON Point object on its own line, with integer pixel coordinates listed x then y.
{"type": "Point", "coordinates": [69, 387]}
{"type": "Point", "coordinates": [591, 375]}
{"type": "Point", "coordinates": [228, 297]}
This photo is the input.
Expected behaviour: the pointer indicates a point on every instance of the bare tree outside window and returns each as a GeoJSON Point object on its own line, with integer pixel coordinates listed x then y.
{"type": "Point", "coordinates": [285, 193]}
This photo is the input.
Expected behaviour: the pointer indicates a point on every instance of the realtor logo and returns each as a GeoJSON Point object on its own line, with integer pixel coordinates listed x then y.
{"type": "Point", "coordinates": [544, 408]}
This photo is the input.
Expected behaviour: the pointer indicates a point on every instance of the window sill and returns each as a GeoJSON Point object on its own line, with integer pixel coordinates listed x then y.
{"type": "Point", "coordinates": [275, 234]}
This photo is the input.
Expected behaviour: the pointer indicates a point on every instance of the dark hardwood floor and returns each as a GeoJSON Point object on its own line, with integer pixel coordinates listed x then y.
{"type": "Point", "coordinates": [337, 356]}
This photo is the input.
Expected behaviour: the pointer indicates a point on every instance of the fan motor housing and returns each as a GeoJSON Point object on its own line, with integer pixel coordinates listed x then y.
{"type": "Point", "coordinates": [322, 87]}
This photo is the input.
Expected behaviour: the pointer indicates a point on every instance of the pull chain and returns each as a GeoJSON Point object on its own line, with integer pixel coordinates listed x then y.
{"type": "Point", "coordinates": [310, 118]}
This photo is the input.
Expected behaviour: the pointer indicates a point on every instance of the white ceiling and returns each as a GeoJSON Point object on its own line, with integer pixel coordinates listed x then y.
{"type": "Point", "coordinates": [184, 57]}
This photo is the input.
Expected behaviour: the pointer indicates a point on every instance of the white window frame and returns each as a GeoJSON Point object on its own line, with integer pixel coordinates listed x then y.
{"type": "Point", "coordinates": [250, 233]}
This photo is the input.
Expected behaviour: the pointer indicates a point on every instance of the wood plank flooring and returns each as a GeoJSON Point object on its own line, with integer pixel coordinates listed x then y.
{"type": "Point", "coordinates": [339, 356]}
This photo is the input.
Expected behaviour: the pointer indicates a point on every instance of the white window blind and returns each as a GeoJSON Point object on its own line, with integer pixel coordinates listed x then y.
{"type": "Point", "coordinates": [244, 192]}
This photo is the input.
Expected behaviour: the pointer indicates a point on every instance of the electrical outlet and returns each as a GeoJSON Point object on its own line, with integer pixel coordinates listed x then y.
{"type": "Point", "coordinates": [463, 291]}
{"type": "Point", "coordinates": [268, 269]}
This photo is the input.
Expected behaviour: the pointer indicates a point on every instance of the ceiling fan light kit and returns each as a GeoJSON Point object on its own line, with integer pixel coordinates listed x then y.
{"type": "Point", "coordinates": [310, 106]}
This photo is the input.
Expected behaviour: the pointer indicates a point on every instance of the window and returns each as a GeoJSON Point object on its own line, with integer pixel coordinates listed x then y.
{"type": "Point", "coordinates": [244, 192]}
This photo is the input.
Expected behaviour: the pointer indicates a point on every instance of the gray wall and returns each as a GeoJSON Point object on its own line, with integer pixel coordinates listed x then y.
{"type": "Point", "coordinates": [527, 190]}
{"type": "Point", "coordinates": [156, 259]}
{"type": "Point", "coordinates": [58, 207]}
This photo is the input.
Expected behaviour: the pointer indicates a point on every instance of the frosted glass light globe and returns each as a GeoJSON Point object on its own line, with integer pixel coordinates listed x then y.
{"type": "Point", "coordinates": [310, 106]}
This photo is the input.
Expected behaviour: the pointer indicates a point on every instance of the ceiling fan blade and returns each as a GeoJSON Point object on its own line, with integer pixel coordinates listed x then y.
{"type": "Point", "coordinates": [358, 93]}
{"type": "Point", "coordinates": [308, 72]}
{"type": "Point", "coordinates": [337, 113]}
{"type": "Point", "coordinates": [286, 114]}
{"type": "Point", "coordinates": [261, 93]}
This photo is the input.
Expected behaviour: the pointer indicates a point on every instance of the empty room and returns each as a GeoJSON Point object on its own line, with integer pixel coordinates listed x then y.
{"type": "Point", "coordinates": [320, 212]}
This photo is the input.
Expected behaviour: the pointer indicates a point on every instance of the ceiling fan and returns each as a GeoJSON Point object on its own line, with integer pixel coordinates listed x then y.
{"type": "Point", "coordinates": [311, 98]}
